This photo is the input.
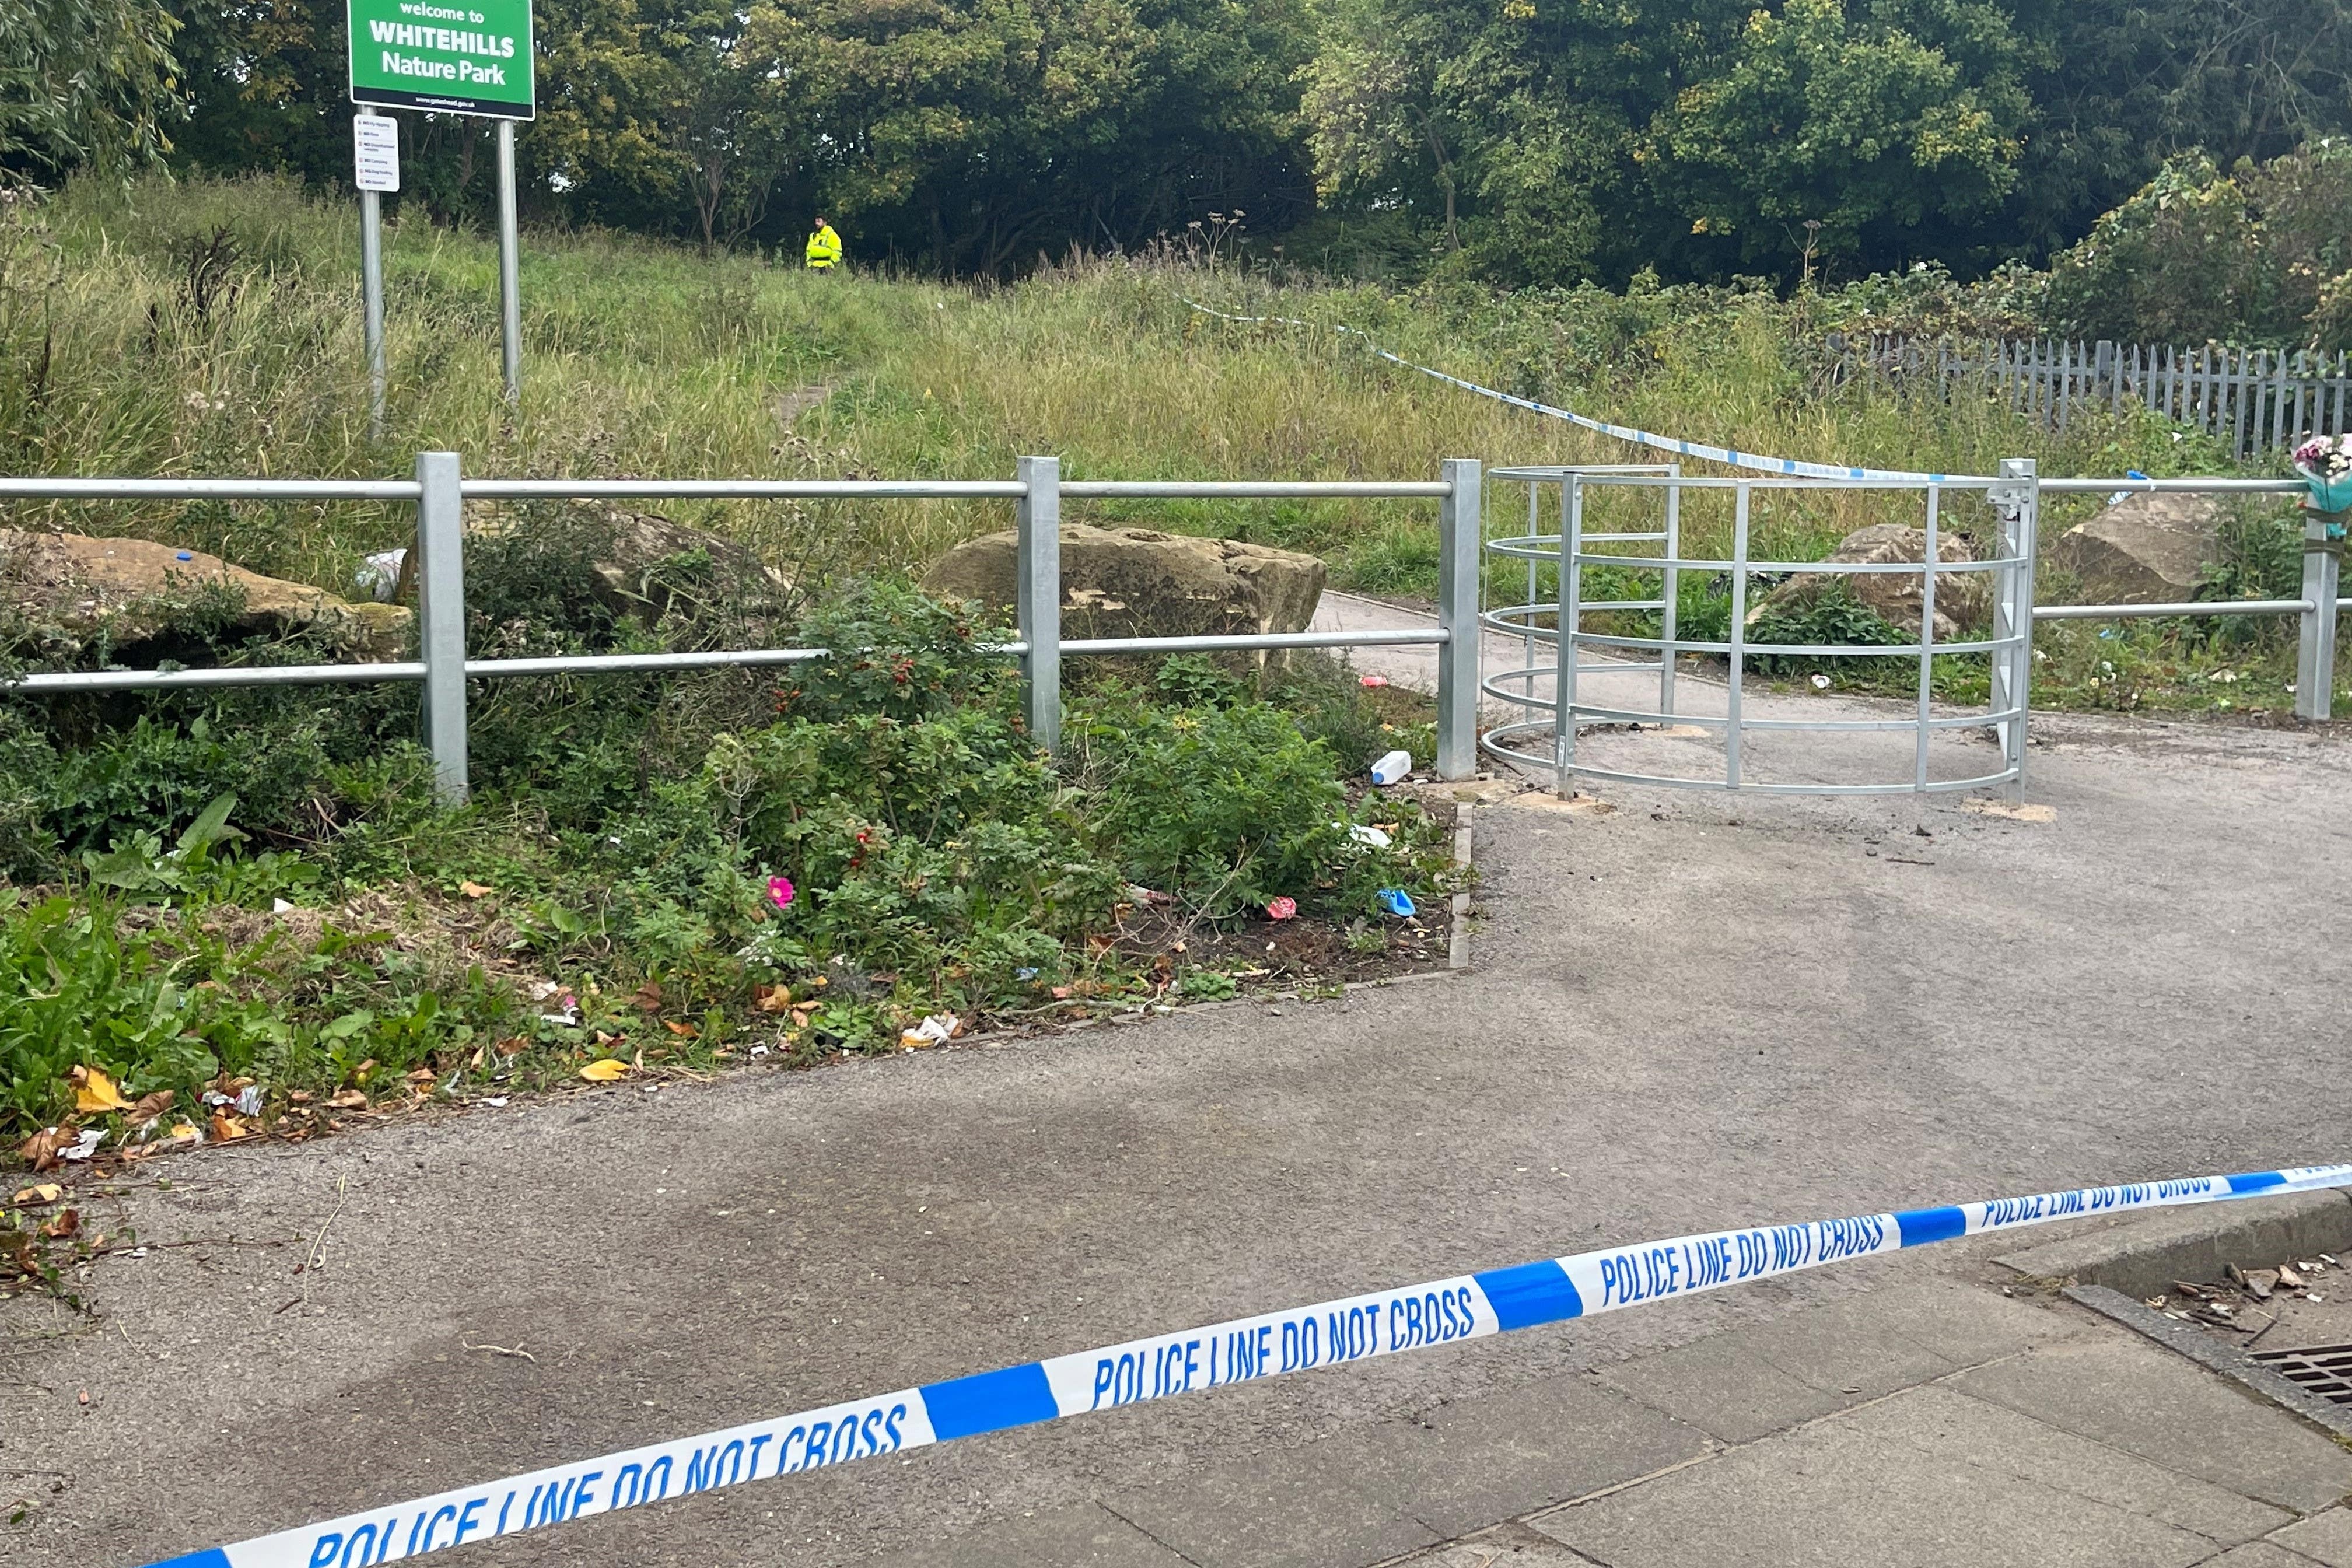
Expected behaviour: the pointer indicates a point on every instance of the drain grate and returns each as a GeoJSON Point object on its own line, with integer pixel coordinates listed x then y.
{"type": "Point", "coordinates": [2324, 1370]}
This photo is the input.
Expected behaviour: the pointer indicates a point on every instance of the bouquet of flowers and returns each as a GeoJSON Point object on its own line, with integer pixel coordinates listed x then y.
{"type": "Point", "coordinates": [2326, 465]}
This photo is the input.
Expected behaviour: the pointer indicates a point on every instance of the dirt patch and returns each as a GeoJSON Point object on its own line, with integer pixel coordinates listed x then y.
{"type": "Point", "coordinates": [799, 401]}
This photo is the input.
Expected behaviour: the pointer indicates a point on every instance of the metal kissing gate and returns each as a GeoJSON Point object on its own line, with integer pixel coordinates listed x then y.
{"type": "Point", "coordinates": [1612, 659]}
{"type": "Point", "coordinates": [1617, 684]}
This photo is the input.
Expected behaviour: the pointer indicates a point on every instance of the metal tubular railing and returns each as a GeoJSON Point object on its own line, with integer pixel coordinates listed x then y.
{"type": "Point", "coordinates": [2015, 497]}
{"type": "Point", "coordinates": [440, 489]}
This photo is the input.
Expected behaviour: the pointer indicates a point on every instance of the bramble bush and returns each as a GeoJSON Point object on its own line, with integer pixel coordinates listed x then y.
{"type": "Point", "coordinates": [622, 840]}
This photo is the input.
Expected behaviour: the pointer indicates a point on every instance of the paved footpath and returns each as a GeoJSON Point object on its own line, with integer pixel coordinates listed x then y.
{"type": "Point", "coordinates": [1690, 1012]}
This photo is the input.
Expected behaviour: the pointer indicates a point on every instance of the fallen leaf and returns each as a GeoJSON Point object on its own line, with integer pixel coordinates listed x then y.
{"type": "Point", "coordinates": [186, 1132]}
{"type": "Point", "coordinates": [299, 1097]}
{"type": "Point", "coordinates": [800, 1018]}
{"type": "Point", "coordinates": [152, 1106]}
{"type": "Point", "coordinates": [228, 1128]}
{"type": "Point", "coordinates": [95, 1093]}
{"type": "Point", "coordinates": [40, 1151]}
{"type": "Point", "coordinates": [605, 1071]}
{"type": "Point", "coordinates": [348, 1099]}
{"type": "Point", "coordinates": [1062, 993]}
{"type": "Point", "coordinates": [772, 998]}
{"type": "Point", "coordinates": [423, 1074]}
{"type": "Point", "coordinates": [68, 1222]}
{"type": "Point", "coordinates": [44, 1192]}
{"type": "Point", "coordinates": [359, 1073]}
{"type": "Point", "coordinates": [475, 890]}
{"type": "Point", "coordinates": [648, 998]}
{"type": "Point", "coordinates": [683, 1031]}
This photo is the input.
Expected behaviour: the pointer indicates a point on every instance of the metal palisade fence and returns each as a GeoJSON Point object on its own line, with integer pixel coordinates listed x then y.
{"type": "Point", "coordinates": [2249, 400]}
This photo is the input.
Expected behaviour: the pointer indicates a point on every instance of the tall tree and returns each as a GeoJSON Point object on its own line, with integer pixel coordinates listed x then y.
{"type": "Point", "coordinates": [2124, 85]}
{"type": "Point", "coordinates": [1883, 128]}
{"type": "Point", "coordinates": [86, 84]}
{"type": "Point", "coordinates": [972, 134]}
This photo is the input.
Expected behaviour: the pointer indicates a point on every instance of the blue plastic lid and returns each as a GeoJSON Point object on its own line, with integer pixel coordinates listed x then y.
{"type": "Point", "coordinates": [1397, 901]}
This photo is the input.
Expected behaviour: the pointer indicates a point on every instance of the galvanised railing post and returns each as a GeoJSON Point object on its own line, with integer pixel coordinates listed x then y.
{"type": "Point", "coordinates": [441, 620]}
{"type": "Point", "coordinates": [1458, 614]}
{"type": "Point", "coordinates": [2017, 502]}
{"type": "Point", "coordinates": [1037, 552]}
{"type": "Point", "coordinates": [2314, 660]}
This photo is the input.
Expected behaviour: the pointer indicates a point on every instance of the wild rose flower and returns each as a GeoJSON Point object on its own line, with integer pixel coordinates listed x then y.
{"type": "Point", "coordinates": [780, 892]}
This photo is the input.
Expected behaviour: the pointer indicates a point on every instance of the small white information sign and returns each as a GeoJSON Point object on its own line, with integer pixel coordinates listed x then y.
{"type": "Point", "coordinates": [375, 147]}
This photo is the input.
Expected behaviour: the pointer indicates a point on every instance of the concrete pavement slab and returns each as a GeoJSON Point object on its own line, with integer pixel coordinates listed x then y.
{"type": "Point", "coordinates": [1940, 1421]}
{"type": "Point", "coordinates": [2326, 1538]}
{"type": "Point", "coordinates": [2256, 1554]}
{"type": "Point", "coordinates": [1513, 1545]}
{"type": "Point", "coordinates": [1087, 1536]}
{"type": "Point", "coordinates": [1741, 1385]}
{"type": "Point", "coordinates": [2133, 1396]}
{"type": "Point", "coordinates": [1836, 1495]}
{"type": "Point", "coordinates": [1338, 1504]}
{"type": "Point", "coordinates": [1958, 1323]}
{"type": "Point", "coordinates": [1720, 1386]}
{"type": "Point", "coordinates": [1495, 1456]}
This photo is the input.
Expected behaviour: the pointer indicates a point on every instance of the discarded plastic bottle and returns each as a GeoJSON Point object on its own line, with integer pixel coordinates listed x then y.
{"type": "Point", "coordinates": [1392, 768]}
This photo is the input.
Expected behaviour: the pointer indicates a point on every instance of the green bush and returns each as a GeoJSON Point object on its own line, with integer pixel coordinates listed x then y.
{"type": "Point", "coordinates": [938, 858]}
{"type": "Point", "coordinates": [1226, 808]}
{"type": "Point", "coordinates": [1829, 614]}
{"type": "Point", "coordinates": [169, 1005]}
{"type": "Point", "coordinates": [924, 656]}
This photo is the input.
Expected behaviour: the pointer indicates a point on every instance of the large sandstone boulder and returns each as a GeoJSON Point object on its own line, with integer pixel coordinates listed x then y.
{"type": "Point", "coordinates": [645, 565]}
{"type": "Point", "coordinates": [2146, 549]}
{"type": "Point", "coordinates": [68, 590]}
{"type": "Point", "coordinates": [1963, 599]}
{"type": "Point", "coordinates": [1139, 581]}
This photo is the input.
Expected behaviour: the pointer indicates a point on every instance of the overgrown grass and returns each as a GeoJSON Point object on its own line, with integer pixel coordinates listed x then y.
{"type": "Point", "coordinates": [212, 327]}
{"type": "Point", "coordinates": [607, 896]}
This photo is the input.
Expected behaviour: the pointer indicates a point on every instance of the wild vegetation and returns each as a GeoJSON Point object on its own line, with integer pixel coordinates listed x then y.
{"type": "Point", "coordinates": [607, 903]}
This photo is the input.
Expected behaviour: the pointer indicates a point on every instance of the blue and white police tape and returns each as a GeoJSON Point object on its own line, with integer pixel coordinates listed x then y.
{"type": "Point", "coordinates": [1728, 455]}
{"type": "Point", "coordinates": [1329, 1334]}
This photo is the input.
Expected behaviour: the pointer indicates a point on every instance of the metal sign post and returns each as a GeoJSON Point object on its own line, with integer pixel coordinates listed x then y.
{"type": "Point", "coordinates": [375, 165]}
{"type": "Point", "coordinates": [475, 58]}
{"type": "Point", "coordinates": [509, 266]}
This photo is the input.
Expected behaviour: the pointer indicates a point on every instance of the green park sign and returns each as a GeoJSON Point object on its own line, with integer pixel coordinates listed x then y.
{"type": "Point", "coordinates": [469, 58]}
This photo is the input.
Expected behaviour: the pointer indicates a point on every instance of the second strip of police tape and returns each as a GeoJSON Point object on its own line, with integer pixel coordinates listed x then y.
{"type": "Point", "coordinates": [1728, 455]}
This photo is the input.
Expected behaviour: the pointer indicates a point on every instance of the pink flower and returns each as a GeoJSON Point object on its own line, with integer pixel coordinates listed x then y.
{"type": "Point", "coordinates": [1281, 908]}
{"type": "Point", "coordinates": [780, 892]}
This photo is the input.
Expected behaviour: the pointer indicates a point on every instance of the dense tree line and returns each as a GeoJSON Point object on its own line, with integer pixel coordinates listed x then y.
{"type": "Point", "coordinates": [1523, 141]}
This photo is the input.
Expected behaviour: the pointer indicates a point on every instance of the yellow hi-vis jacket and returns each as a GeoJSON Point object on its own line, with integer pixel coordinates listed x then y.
{"type": "Point", "coordinates": [824, 248]}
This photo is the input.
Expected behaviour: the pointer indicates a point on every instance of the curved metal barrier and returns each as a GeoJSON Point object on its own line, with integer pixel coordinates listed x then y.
{"type": "Point", "coordinates": [1594, 560]}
